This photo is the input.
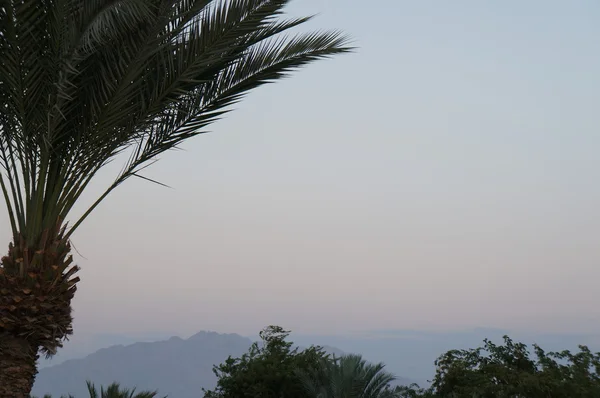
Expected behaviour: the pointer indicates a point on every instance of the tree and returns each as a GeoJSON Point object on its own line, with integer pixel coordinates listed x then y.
{"type": "Point", "coordinates": [349, 376]}
{"type": "Point", "coordinates": [82, 81]}
{"type": "Point", "coordinates": [267, 370]}
{"type": "Point", "coordinates": [414, 391]}
{"type": "Point", "coordinates": [508, 371]}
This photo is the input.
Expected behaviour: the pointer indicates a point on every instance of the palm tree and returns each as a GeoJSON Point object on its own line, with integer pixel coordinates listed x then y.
{"type": "Point", "coordinates": [113, 391]}
{"type": "Point", "coordinates": [348, 376]}
{"type": "Point", "coordinates": [82, 81]}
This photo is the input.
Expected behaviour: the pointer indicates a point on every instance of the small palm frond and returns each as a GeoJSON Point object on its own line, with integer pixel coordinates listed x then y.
{"type": "Point", "coordinates": [115, 391]}
{"type": "Point", "coordinates": [349, 376]}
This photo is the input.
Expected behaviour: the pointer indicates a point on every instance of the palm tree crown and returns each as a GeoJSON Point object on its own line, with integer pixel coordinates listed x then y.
{"type": "Point", "coordinates": [84, 80]}
{"type": "Point", "coordinates": [349, 376]}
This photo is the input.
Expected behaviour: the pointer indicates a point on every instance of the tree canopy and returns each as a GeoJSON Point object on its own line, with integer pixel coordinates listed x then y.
{"type": "Point", "coordinates": [268, 370]}
{"type": "Point", "coordinates": [509, 370]}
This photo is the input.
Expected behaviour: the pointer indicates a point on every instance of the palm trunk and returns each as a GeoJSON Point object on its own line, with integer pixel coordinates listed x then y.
{"type": "Point", "coordinates": [18, 367]}
{"type": "Point", "coordinates": [36, 289]}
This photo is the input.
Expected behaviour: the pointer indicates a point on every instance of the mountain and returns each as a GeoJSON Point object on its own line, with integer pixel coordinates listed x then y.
{"type": "Point", "coordinates": [182, 367]}
{"type": "Point", "coordinates": [177, 367]}
{"type": "Point", "coordinates": [83, 344]}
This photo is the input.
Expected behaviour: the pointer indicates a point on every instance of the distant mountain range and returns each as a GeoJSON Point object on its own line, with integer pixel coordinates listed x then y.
{"type": "Point", "coordinates": [177, 367]}
{"type": "Point", "coordinates": [181, 367]}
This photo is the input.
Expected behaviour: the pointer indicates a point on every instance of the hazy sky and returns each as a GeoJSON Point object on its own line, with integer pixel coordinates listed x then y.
{"type": "Point", "coordinates": [445, 176]}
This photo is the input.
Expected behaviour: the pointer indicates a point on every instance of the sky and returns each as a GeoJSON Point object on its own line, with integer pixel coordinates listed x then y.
{"type": "Point", "coordinates": [442, 177]}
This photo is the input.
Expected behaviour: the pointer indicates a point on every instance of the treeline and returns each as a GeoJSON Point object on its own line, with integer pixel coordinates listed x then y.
{"type": "Point", "coordinates": [275, 368]}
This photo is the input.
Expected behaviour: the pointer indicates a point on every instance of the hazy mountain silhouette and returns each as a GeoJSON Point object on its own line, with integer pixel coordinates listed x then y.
{"type": "Point", "coordinates": [182, 367]}
{"type": "Point", "coordinates": [177, 367]}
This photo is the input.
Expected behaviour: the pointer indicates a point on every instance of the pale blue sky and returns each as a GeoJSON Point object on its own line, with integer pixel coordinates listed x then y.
{"type": "Point", "coordinates": [445, 176]}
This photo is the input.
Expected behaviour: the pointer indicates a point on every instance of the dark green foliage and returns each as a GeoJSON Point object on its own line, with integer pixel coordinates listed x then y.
{"type": "Point", "coordinates": [267, 370]}
{"type": "Point", "coordinates": [509, 371]}
{"type": "Point", "coordinates": [413, 391]}
{"type": "Point", "coordinates": [114, 391]}
{"type": "Point", "coordinates": [349, 376]}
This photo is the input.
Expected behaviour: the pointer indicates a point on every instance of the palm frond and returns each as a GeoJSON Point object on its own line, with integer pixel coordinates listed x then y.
{"type": "Point", "coordinates": [116, 391]}
{"type": "Point", "coordinates": [82, 81]}
{"type": "Point", "coordinates": [349, 376]}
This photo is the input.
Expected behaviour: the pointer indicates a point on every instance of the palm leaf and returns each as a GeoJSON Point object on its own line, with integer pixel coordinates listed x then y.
{"type": "Point", "coordinates": [115, 391]}
{"type": "Point", "coordinates": [82, 81]}
{"type": "Point", "coordinates": [349, 376]}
